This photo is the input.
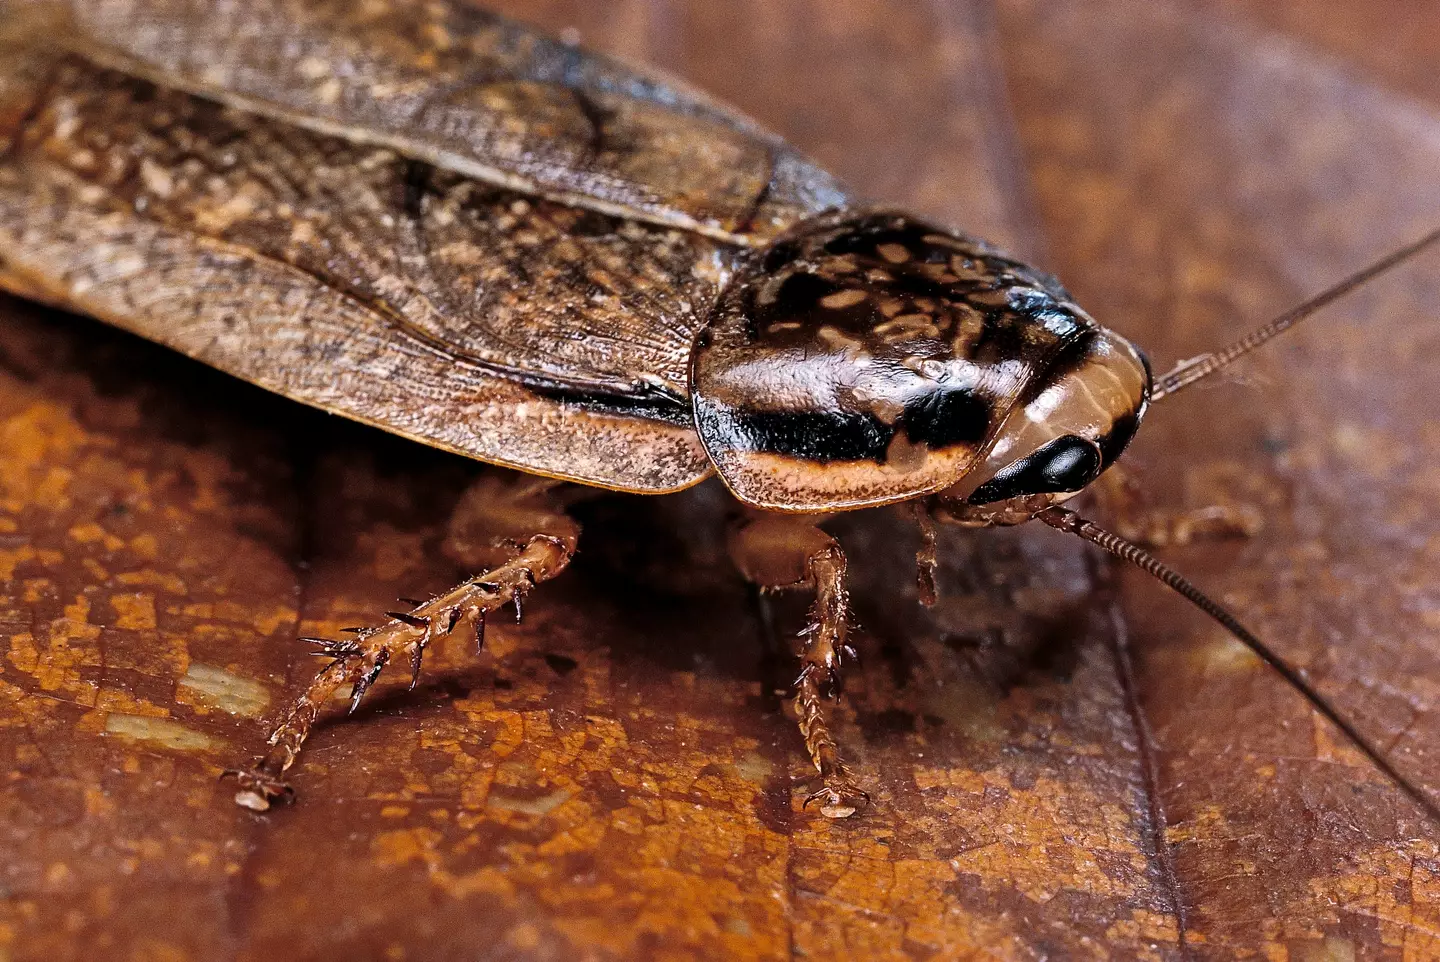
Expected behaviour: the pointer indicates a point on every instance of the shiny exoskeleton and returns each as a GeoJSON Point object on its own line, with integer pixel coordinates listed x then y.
{"type": "Point", "coordinates": [862, 360]}
{"type": "Point", "coordinates": [429, 219]}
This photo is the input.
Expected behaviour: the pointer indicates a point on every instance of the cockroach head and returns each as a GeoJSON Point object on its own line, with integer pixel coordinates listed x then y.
{"type": "Point", "coordinates": [1071, 424]}
{"type": "Point", "coordinates": [872, 358]}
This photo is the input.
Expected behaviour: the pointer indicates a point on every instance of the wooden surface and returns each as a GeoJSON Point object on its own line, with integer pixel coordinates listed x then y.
{"type": "Point", "coordinates": [1067, 763]}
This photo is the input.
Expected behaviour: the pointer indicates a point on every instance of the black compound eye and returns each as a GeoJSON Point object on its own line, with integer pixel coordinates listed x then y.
{"type": "Point", "coordinates": [1065, 464]}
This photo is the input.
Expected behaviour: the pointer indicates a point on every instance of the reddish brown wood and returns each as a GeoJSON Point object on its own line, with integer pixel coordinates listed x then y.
{"type": "Point", "coordinates": [614, 778]}
{"type": "Point", "coordinates": [1254, 170]}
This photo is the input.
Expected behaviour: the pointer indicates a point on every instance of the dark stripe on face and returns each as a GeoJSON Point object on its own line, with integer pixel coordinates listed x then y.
{"type": "Point", "coordinates": [939, 420]}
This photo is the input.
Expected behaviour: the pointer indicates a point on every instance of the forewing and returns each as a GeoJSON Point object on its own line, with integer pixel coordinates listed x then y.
{"type": "Point", "coordinates": [503, 327]}
{"type": "Point", "coordinates": [474, 93]}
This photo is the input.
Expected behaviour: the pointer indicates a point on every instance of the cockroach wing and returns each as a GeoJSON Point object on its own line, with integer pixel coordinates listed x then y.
{"type": "Point", "coordinates": [470, 92]}
{"type": "Point", "coordinates": [502, 326]}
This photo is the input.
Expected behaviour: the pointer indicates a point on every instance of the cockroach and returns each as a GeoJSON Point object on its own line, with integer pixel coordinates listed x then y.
{"type": "Point", "coordinates": [432, 220]}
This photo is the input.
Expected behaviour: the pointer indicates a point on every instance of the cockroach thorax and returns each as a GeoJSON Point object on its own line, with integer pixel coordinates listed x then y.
{"type": "Point", "coordinates": [869, 358]}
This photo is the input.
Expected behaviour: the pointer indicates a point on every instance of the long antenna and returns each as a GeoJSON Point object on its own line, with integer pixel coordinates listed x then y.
{"type": "Point", "coordinates": [1188, 372]}
{"type": "Point", "coordinates": [1066, 520]}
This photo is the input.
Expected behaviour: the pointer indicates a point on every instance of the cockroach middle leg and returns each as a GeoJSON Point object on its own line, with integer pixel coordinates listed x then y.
{"type": "Point", "coordinates": [927, 559]}
{"type": "Point", "coordinates": [825, 652]}
{"type": "Point", "coordinates": [485, 533]}
{"type": "Point", "coordinates": [777, 552]}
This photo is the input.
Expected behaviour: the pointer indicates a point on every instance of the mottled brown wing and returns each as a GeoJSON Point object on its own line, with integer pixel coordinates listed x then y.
{"type": "Point", "coordinates": [470, 92]}
{"type": "Point", "coordinates": [555, 296]}
{"type": "Point", "coordinates": [463, 315]}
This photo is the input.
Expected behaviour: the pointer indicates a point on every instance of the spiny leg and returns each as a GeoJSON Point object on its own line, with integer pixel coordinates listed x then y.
{"type": "Point", "coordinates": [779, 553]}
{"type": "Point", "coordinates": [1120, 499]}
{"type": "Point", "coordinates": [494, 505]}
{"type": "Point", "coordinates": [1162, 529]}
{"type": "Point", "coordinates": [825, 652]}
{"type": "Point", "coordinates": [927, 559]}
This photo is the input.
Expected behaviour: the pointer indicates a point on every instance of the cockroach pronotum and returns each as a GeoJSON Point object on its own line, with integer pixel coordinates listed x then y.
{"type": "Point", "coordinates": [431, 220]}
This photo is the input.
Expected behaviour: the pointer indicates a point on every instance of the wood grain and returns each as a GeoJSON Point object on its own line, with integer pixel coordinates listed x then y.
{"type": "Point", "coordinates": [1067, 762]}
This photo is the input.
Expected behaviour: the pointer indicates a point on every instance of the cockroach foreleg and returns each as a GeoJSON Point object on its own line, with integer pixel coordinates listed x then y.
{"type": "Point", "coordinates": [482, 532]}
{"type": "Point", "coordinates": [1163, 529]}
{"type": "Point", "coordinates": [779, 553]}
{"type": "Point", "coordinates": [1119, 497]}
